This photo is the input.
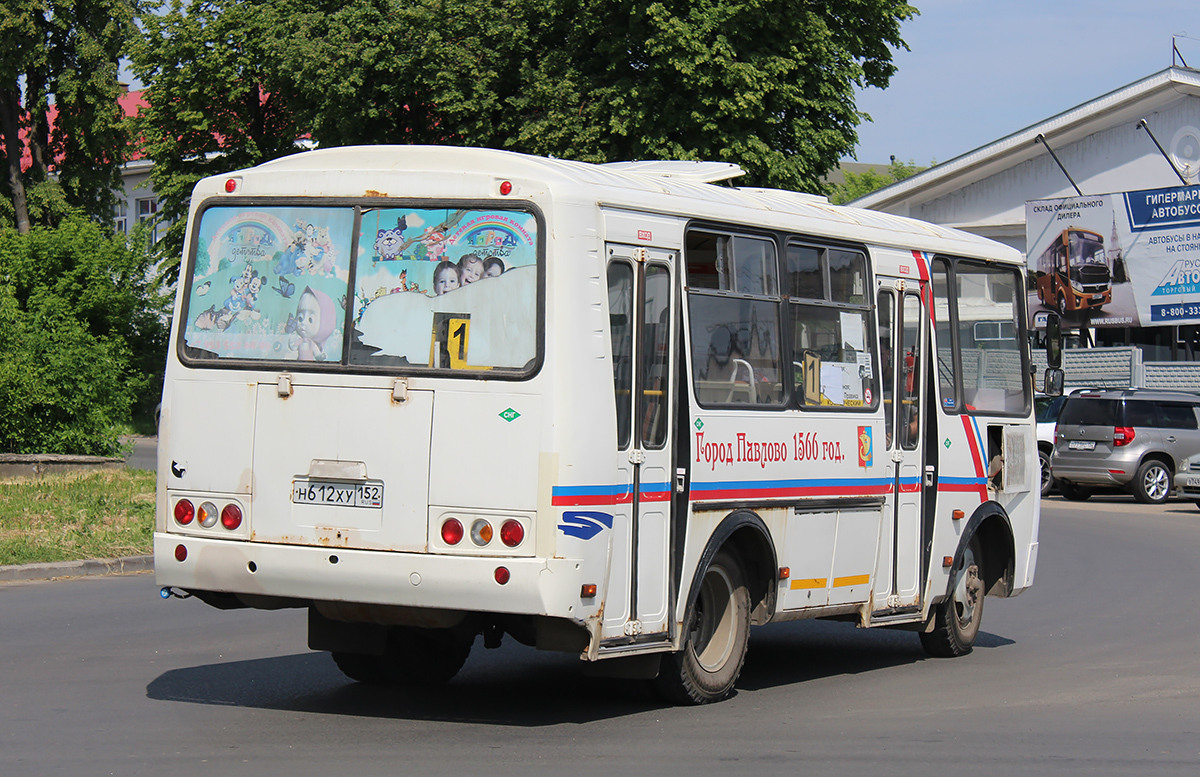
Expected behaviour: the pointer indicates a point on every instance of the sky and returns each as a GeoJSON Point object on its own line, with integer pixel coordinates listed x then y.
{"type": "Point", "coordinates": [978, 71]}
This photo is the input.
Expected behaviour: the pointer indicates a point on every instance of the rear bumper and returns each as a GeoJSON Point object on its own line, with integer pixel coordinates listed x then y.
{"type": "Point", "coordinates": [537, 586]}
{"type": "Point", "coordinates": [1090, 476]}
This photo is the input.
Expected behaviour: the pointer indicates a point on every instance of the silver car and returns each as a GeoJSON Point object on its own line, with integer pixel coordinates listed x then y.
{"type": "Point", "coordinates": [1133, 439]}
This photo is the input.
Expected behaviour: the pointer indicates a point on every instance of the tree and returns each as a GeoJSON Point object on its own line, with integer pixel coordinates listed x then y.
{"type": "Point", "coordinates": [214, 98]}
{"type": "Point", "coordinates": [63, 53]}
{"type": "Point", "coordinates": [861, 184]}
{"type": "Point", "coordinates": [767, 84]}
{"type": "Point", "coordinates": [83, 336]}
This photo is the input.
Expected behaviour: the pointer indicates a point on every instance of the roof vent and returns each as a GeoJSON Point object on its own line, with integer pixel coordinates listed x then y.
{"type": "Point", "coordinates": [700, 172]}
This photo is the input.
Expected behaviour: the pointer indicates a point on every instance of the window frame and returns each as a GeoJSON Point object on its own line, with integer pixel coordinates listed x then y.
{"type": "Point", "coordinates": [791, 397]}
{"type": "Point", "coordinates": [1020, 302]}
{"type": "Point", "coordinates": [359, 205]}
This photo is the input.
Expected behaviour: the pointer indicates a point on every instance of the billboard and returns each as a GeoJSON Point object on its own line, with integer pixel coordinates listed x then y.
{"type": "Point", "coordinates": [1124, 259]}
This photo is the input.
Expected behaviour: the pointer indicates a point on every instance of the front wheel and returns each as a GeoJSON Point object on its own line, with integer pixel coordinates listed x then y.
{"type": "Point", "coordinates": [957, 619]}
{"type": "Point", "coordinates": [1152, 485]}
{"type": "Point", "coordinates": [718, 633]}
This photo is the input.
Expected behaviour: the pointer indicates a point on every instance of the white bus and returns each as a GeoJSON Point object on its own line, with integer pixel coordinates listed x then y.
{"type": "Point", "coordinates": [432, 394]}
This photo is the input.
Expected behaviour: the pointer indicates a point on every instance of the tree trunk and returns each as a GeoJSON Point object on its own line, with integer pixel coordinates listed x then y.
{"type": "Point", "coordinates": [10, 129]}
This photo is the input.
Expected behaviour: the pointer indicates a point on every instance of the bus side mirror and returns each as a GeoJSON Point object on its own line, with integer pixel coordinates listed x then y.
{"type": "Point", "coordinates": [1054, 340]}
{"type": "Point", "coordinates": [1052, 382]}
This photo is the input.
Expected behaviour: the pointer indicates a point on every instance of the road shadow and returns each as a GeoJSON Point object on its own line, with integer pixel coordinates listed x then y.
{"type": "Point", "coordinates": [517, 686]}
{"type": "Point", "coordinates": [510, 687]}
{"type": "Point", "coordinates": [800, 651]}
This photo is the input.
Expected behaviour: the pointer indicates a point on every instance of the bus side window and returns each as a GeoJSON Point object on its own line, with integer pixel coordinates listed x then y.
{"type": "Point", "coordinates": [885, 315]}
{"type": "Point", "coordinates": [620, 317]}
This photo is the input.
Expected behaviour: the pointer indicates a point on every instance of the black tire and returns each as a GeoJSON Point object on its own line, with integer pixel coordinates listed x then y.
{"type": "Point", "coordinates": [956, 620]}
{"type": "Point", "coordinates": [1062, 305]}
{"type": "Point", "coordinates": [1047, 477]}
{"type": "Point", "coordinates": [715, 645]}
{"type": "Point", "coordinates": [1074, 491]}
{"type": "Point", "coordinates": [362, 668]}
{"type": "Point", "coordinates": [1152, 484]}
{"type": "Point", "coordinates": [414, 657]}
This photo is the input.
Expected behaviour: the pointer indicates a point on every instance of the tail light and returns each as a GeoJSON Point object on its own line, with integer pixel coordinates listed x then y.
{"type": "Point", "coordinates": [452, 531]}
{"type": "Point", "coordinates": [1122, 435]}
{"type": "Point", "coordinates": [481, 532]}
{"type": "Point", "coordinates": [511, 533]}
{"type": "Point", "coordinates": [231, 516]}
{"type": "Point", "coordinates": [185, 511]}
{"type": "Point", "coordinates": [207, 515]}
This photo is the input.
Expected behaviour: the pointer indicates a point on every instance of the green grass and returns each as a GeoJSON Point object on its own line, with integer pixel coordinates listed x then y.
{"type": "Point", "coordinates": [80, 516]}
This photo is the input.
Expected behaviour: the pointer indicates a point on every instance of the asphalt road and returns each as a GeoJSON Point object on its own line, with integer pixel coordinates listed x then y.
{"type": "Point", "coordinates": [143, 454]}
{"type": "Point", "coordinates": [1094, 671]}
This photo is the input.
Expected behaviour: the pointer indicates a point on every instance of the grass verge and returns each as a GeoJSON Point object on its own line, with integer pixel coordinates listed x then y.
{"type": "Point", "coordinates": [103, 514]}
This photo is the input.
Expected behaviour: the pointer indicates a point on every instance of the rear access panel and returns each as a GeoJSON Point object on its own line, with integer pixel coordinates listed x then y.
{"type": "Point", "coordinates": [341, 467]}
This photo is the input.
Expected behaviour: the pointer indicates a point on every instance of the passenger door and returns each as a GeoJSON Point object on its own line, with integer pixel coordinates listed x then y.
{"type": "Point", "coordinates": [641, 303]}
{"type": "Point", "coordinates": [903, 345]}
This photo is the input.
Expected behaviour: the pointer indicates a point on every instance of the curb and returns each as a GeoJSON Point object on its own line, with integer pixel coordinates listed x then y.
{"type": "Point", "coordinates": [88, 568]}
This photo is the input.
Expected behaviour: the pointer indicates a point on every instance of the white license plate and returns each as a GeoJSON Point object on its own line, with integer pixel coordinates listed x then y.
{"type": "Point", "coordinates": [1097, 297]}
{"type": "Point", "coordinates": [324, 492]}
{"type": "Point", "coordinates": [1082, 445]}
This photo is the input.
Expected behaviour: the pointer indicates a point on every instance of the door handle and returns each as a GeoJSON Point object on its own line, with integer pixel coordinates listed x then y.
{"type": "Point", "coordinates": [929, 477]}
{"type": "Point", "coordinates": [1171, 438]}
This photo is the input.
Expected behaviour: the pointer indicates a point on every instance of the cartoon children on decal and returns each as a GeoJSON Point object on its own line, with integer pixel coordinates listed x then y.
{"type": "Point", "coordinates": [470, 268]}
{"type": "Point", "coordinates": [446, 277]}
{"type": "Point", "coordinates": [493, 266]}
{"type": "Point", "coordinates": [313, 325]}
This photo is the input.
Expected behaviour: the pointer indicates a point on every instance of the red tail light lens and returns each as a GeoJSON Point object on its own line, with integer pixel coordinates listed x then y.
{"type": "Point", "coordinates": [231, 517]}
{"type": "Point", "coordinates": [452, 531]}
{"type": "Point", "coordinates": [180, 553]}
{"type": "Point", "coordinates": [512, 533]}
{"type": "Point", "coordinates": [502, 575]}
{"type": "Point", "coordinates": [1122, 435]}
{"type": "Point", "coordinates": [185, 511]}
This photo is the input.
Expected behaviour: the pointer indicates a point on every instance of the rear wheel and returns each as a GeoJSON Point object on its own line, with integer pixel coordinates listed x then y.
{"type": "Point", "coordinates": [957, 619]}
{"type": "Point", "coordinates": [1152, 484]}
{"type": "Point", "coordinates": [414, 657]}
{"type": "Point", "coordinates": [715, 647]}
{"type": "Point", "coordinates": [1047, 478]}
{"type": "Point", "coordinates": [1074, 491]}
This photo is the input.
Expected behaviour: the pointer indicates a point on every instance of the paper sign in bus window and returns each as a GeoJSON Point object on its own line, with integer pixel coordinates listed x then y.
{"type": "Point", "coordinates": [417, 268]}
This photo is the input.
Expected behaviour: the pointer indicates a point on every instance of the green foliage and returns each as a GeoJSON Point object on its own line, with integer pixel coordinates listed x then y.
{"type": "Point", "coordinates": [766, 84]}
{"type": "Point", "coordinates": [216, 101]}
{"type": "Point", "coordinates": [71, 517]}
{"type": "Point", "coordinates": [82, 338]}
{"type": "Point", "coordinates": [861, 184]}
{"type": "Point", "coordinates": [65, 53]}
{"type": "Point", "coordinates": [769, 85]}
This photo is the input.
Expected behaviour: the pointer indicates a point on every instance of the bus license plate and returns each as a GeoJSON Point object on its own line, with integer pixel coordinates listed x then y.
{"type": "Point", "coordinates": [310, 492]}
{"type": "Point", "coordinates": [1082, 445]}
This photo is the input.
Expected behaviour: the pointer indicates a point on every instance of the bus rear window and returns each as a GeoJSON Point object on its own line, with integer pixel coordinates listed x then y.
{"type": "Point", "coordinates": [394, 287]}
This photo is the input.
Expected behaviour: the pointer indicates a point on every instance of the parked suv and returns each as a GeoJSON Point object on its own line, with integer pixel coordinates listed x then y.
{"type": "Point", "coordinates": [1130, 438]}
